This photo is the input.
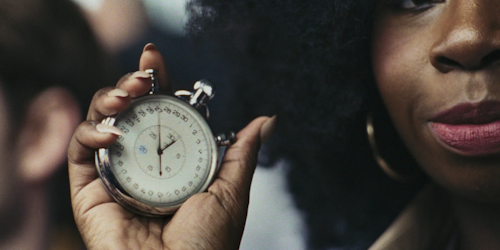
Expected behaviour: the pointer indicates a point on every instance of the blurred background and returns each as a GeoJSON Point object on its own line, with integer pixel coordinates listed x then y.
{"type": "Point", "coordinates": [88, 44]}
{"type": "Point", "coordinates": [124, 27]}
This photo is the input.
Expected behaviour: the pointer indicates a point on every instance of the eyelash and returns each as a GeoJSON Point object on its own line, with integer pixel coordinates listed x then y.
{"type": "Point", "coordinates": [412, 5]}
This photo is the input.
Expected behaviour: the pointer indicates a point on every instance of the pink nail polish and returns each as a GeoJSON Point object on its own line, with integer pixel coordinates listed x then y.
{"type": "Point", "coordinates": [140, 74]}
{"type": "Point", "coordinates": [105, 129]}
{"type": "Point", "coordinates": [117, 93]}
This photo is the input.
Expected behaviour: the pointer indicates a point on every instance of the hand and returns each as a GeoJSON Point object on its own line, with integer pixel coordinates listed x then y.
{"type": "Point", "coordinates": [209, 220]}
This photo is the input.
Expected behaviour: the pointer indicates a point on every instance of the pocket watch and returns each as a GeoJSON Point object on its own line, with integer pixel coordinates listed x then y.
{"type": "Point", "coordinates": [167, 152]}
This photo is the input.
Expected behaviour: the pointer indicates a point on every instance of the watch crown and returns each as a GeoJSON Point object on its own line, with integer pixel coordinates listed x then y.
{"type": "Point", "coordinates": [206, 86]}
{"type": "Point", "coordinates": [204, 90]}
{"type": "Point", "coordinates": [225, 139]}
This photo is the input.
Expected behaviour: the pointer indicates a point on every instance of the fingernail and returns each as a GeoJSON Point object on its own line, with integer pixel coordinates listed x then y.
{"type": "Point", "coordinates": [140, 74]}
{"type": "Point", "coordinates": [149, 46]}
{"type": "Point", "coordinates": [117, 93]}
{"type": "Point", "coordinates": [267, 129]}
{"type": "Point", "coordinates": [106, 129]}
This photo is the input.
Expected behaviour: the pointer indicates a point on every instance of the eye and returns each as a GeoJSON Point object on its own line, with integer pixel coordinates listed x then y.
{"type": "Point", "coordinates": [412, 5]}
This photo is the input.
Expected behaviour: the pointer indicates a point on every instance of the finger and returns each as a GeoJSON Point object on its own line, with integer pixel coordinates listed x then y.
{"type": "Point", "coordinates": [135, 84]}
{"type": "Point", "coordinates": [239, 162]}
{"type": "Point", "coordinates": [110, 101]}
{"type": "Point", "coordinates": [87, 137]}
{"type": "Point", "coordinates": [151, 58]}
{"type": "Point", "coordinates": [107, 102]}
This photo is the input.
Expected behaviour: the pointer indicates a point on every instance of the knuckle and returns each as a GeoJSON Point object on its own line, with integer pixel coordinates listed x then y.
{"type": "Point", "coordinates": [124, 78]}
{"type": "Point", "coordinates": [101, 92]}
{"type": "Point", "coordinates": [82, 145]}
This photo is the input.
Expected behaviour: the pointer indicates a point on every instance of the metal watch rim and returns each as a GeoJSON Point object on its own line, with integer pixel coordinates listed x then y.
{"type": "Point", "coordinates": [126, 200]}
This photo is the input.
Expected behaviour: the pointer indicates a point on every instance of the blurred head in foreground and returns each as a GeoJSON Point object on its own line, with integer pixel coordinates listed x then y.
{"type": "Point", "coordinates": [48, 60]}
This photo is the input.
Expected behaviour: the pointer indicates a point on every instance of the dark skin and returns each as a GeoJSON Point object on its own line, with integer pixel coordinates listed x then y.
{"type": "Point", "coordinates": [211, 220]}
{"type": "Point", "coordinates": [429, 56]}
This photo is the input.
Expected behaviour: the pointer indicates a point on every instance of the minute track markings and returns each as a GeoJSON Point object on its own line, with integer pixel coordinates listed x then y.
{"type": "Point", "coordinates": [174, 144]}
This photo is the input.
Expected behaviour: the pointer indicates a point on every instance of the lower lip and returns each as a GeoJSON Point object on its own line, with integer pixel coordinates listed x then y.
{"type": "Point", "coordinates": [469, 139]}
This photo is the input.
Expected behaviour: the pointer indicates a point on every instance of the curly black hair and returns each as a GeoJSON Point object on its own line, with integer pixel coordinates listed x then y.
{"type": "Point", "coordinates": [309, 63]}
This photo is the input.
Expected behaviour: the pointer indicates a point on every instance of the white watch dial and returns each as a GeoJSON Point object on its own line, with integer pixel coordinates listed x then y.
{"type": "Point", "coordinates": [166, 153]}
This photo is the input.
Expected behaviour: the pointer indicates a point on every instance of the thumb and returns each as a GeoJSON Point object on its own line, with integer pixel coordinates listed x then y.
{"type": "Point", "coordinates": [240, 160]}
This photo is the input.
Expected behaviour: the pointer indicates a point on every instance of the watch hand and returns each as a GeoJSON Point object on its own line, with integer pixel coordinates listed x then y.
{"type": "Point", "coordinates": [160, 152]}
{"type": "Point", "coordinates": [170, 144]}
{"type": "Point", "coordinates": [159, 155]}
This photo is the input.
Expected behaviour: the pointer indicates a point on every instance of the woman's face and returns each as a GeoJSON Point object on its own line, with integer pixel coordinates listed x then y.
{"type": "Point", "coordinates": [437, 65]}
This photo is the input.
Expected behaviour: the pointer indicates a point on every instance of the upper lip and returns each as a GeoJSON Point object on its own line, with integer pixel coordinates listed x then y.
{"type": "Point", "coordinates": [470, 113]}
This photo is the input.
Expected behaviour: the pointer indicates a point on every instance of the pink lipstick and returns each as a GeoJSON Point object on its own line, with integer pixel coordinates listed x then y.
{"type": "Point", "coordinates": [469, 129]}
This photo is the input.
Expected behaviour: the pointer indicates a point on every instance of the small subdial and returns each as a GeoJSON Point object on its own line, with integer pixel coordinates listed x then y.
{"type": "Point", "coordinates": [160, 152]}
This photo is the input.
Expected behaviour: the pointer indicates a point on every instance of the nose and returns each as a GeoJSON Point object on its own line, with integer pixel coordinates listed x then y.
{"type": "Point", "coordinates": [468, 36]}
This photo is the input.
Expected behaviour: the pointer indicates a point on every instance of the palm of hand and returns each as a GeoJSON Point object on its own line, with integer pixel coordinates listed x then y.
{"type": "Point", "coordinates": [203, 222]}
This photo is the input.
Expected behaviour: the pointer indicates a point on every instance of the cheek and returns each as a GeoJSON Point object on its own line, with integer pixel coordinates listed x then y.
{"type": "Point", "coordinates": [407, 84]}
{"type": "Point", "coordinates": [398, 63]}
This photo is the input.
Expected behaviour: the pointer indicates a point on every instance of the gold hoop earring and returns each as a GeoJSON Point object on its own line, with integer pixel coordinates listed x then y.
{"type": "Point", "coordinates": [376, 154]}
